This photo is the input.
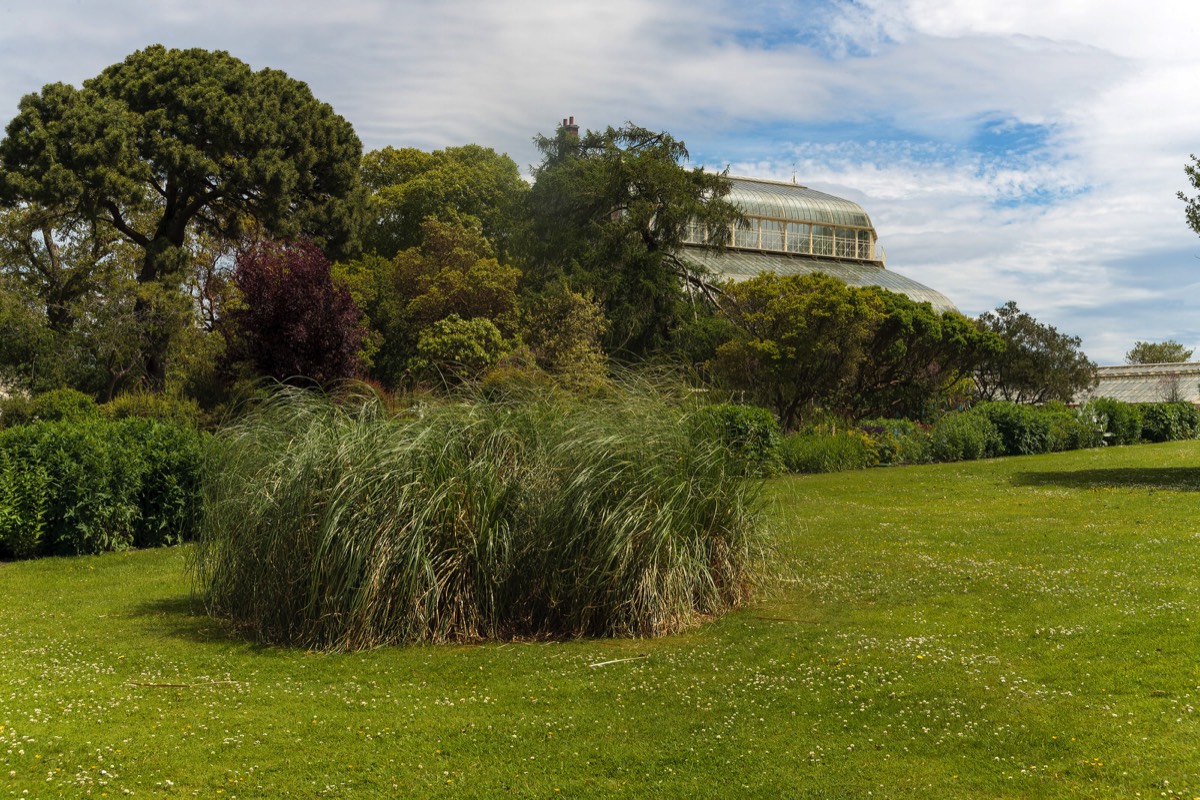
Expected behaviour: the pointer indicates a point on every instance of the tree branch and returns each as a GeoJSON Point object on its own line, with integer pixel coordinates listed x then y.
{"type": "Point", "coordinates": [124, 227]}
{"type": "Point", "coordinates": [711, 292]}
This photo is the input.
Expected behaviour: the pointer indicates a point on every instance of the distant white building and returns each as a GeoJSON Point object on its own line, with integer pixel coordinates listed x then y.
{"type": "Point", "coordinates": [1147, 383]}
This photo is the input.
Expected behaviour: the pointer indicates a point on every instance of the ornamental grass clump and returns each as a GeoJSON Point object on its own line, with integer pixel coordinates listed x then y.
{"type": "Point", "coordinates": [340, 526]}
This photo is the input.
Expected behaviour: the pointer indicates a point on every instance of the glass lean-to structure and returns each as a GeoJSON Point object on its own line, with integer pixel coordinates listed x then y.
{"type": "Point", "coordinates": [793, 230]}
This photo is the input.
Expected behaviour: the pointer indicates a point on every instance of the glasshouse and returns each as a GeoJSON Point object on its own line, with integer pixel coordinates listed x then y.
{"type": "Point", "coordinates": [792, 230]}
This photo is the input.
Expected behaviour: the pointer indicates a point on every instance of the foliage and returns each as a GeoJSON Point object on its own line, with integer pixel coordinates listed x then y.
{"type": "Point", "coordinates": [1192, 209]}
{"type": "Point", "coordinates": [293, 320]}
{"type": "Point", "coordinates": [555, 517]}
{"type": "Point", "coordinates": [453, 272]}
{"type": "Point", "coordinates": [897, 441]}
{"type": "Point", "coordinates": [1073, 428]}
{"type": "Point", "coordinates": [1122, 421]}
{"type": "Point", "coordinates": [469, 186]}
{"type": "Point", "coordinates": [87, 485]}
{"type": "Point", "coordinates": [1024, 430]}
{"type": "Point", "coordinates": [178, 411]}
{"type": "Point", "coordinates": [915, 357]}
{"type": "Point", "coordinates": [1169, 422]}
{"type": "Point", "coordinates": [58, 404]}
{"type": "Point", "coordinates": [752, 433]}
{"type": "Point", "coordinates": [609, 211]}
{"type": "Point", "coordinates": [827, 452]}
{"type": "Point", "coordinates": [58, 258]}
{"type": "Point", "coordinates": [24, 337]}
{"type": "Point", "coordinates": [25, 493]}
{"type": "Point", "coordinates": [1168, 352]}
{"type": "Point", "coordinates": [169, 459]}
{"type": "Point", "coordinates": [800, 342]}
{"type": "Point", "coordinates": [1038, 364]}
{"type": "Point", "coordinates": [564, 331]}
{"type": "Point", "coordinates": [701, 332]}
{"type": "Point", "coordinates": [964, 437]}
{"type": "Point", "coordinates": [453, 349]}
{"type": "Point", "coordinates": [98, 352]}
{"type": "Point", "coordinates": [173, 141]}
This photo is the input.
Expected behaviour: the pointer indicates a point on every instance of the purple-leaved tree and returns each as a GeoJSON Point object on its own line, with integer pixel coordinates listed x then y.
{"type": "Point", "coordinates": [293, 321]}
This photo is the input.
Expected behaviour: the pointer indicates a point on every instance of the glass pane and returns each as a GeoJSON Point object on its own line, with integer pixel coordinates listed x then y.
{"type": "Point", "coordinates": [772, 235]}
{"type": "Point", "coordinates": [798, 238]}
{"type": "Point", "coordinates": [747, 236]}
{"type": "Point", "coordinates": [822, 240]}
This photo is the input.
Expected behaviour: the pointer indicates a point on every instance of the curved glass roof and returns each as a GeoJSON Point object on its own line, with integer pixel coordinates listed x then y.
{"type": "Point", "coordinates": [743, 265]}
{"type": "Point", "coordinates": [790, 201]}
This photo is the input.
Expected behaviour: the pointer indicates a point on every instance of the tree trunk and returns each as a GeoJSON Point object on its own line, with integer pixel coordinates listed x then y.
{"type": "Point", "coordinates": [163, 265]}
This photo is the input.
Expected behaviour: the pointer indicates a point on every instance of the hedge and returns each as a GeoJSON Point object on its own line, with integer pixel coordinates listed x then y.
{"type": "Point", "coordinates": [91, 485]}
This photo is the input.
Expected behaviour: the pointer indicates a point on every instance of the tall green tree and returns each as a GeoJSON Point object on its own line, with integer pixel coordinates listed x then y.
{"type": "Point", "coordinates": [57, 258]}
{"type": "Point", "coordinates": [800, 342]}
{"type": "Point", "coordinates": [169, 141]}
{"type": "Point", "coordinates": [471, 186]}
{"type": "Point", "coordinates": [1038, 364]}
{"type": "Point", "coordinates": [454, 272]}
{"type": "Point", "coordinates": [609, 212]}
{"type": "Point", "coordinates": [1168, 352]}
{"type": "Point", "coordinates": [915, 358]}
{"type": "Point", "coordinates": [563, 330]}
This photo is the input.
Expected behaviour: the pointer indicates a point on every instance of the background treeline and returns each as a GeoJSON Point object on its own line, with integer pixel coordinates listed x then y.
{"type": "Point", "coordinates": [136, 255]}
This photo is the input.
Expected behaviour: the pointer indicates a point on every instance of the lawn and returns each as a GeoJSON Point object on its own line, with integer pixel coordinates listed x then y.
{"type": "Point", "coordinates": [1025, 627]}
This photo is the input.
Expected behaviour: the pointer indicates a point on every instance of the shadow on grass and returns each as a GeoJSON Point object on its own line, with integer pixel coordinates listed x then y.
{"type": "Point", "coordinates": [1174, 479]}
{"type": "Point", "coordinates": [184, 617]}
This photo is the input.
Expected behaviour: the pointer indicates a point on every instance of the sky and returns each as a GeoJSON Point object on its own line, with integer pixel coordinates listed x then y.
{"type": "Point", "coordinates": [1026, 150]}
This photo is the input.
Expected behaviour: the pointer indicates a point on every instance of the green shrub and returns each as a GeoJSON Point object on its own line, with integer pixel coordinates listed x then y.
{"type": "Point", "coordinates": [831, 452]}
{"type": "Point", "coordinates": [1169, 422]}
{"type": "Point", "coordinates": [1073, 428]}
{"type": "Point", "coordinates": [1122, 421]}
{"type": "Point", "coordinates": [459, 521]}
{"type": "Point", "coordinates": [24, 494]}
{"type": "Point", "coordinates": [964, 437]}
{"type": "Point", "coordinates": [898, 441]}
{"type": "Point", "coordinates": [1023, 429]}
{"type": "Point", "coordinates": [93, 485]}
{"type": "Point", "coordinates": [171, 458]}
{"type": "Point", "coordinates": [91, 506]}
{"type": "Point", "coordinates": [154, 405]}
{"type": "Point", "coordinates": [59, 404]}
{"type": "Point", "coordinates": [751, 432]}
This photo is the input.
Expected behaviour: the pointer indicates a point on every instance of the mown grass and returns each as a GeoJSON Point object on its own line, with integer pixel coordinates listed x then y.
{"type": "Point", "coordinates": [1023, 627]}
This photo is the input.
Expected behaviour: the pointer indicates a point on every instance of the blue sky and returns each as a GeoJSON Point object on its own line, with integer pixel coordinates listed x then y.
{"type": "Point", "coordinates": [1026, 151]}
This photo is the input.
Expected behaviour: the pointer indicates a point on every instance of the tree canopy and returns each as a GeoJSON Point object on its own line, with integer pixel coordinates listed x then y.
{"type": "Point", "coordinates": [453, 273]}
{"type": "Point", "coordinates": [801, 341]}
{"type": "Point", "coordinates": [916, 356]}
{"type": "Point", "coordinates": [471, 186]}
{"type": "Point", "coordinates": [293, 320]}
{"type": "Point", "coordinates": [1168, 352]}
{"type": "Point", "coordinates": [1037, 364]}
{"type": "Point", "coordinates": [609, 211]}
{"type": "Point", "coordinates": [170, 141]}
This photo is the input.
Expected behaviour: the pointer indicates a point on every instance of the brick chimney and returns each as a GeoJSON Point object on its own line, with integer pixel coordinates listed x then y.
{"type": "Point", "coordinates": [570, 127]}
